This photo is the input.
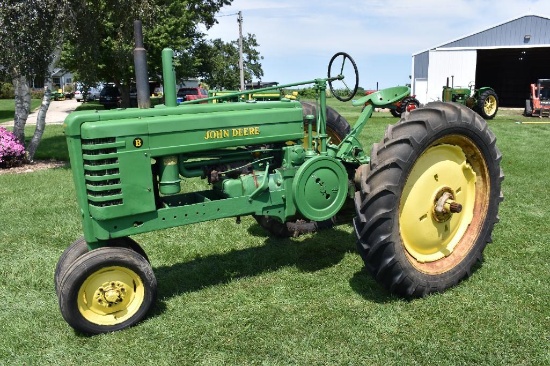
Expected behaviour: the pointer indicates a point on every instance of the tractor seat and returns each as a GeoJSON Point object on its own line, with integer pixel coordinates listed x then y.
{"type": "Point", "coordinates": [384, 97]}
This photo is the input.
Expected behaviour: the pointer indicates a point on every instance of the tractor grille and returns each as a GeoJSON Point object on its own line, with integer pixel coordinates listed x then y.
{"type": "Point", "coordinates": [101, 171]}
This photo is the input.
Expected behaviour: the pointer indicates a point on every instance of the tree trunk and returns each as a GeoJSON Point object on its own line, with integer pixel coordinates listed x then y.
{"type": "Point", "coordinates": [22, 106]}
{"type": "Point", "coordinates": [40, 120]}
{"type": "Point", "coordinates": [41, 116]}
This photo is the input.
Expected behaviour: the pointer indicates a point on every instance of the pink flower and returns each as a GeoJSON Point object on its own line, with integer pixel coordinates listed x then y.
{"type": "Point", "coordinates": [11, 151]}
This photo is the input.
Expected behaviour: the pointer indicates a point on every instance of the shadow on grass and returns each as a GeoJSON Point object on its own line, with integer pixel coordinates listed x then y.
{"type": "Point", "coordinates": [322, 250]}
{"type": "Point", "coordinates": [52, 147]}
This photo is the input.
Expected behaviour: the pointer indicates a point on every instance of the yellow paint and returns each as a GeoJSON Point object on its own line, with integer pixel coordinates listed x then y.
{"type": "Point", "coordinates": [110, 296]}
{"type": "Point", "coordinates": [441, 168]}
{"type": "Point", "coordinates": [233, 132]}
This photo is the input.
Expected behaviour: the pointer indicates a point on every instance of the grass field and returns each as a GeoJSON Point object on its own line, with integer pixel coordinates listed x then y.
{"type": "Point", "coordinates": [7, 107]}
{"type": "Point", "coordinates": [229, 294]}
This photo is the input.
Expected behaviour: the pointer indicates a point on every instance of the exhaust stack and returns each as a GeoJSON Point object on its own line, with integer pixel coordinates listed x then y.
{"type": "Point", "coordinates": [140, 64]}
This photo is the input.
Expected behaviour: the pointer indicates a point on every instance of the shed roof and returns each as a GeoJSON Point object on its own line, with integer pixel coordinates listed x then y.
{"type": "Point", "coordinates": [505, 35]}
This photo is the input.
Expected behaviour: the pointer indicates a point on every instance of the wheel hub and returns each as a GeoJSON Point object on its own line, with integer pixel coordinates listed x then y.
{"type": "Point", "coordinates": [445, 205]}
{"type": "Point", "coordinates": [110, 293]}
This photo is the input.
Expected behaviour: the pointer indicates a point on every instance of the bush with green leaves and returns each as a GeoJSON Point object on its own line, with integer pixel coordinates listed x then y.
{"type": "Point", "coordinates": [12, 152]}
{"type": "Point", "coordinates": [6, 91]}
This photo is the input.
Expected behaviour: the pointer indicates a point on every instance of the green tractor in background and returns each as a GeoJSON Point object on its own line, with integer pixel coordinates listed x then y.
{"type": "Point", "coordinates": [483, 100]}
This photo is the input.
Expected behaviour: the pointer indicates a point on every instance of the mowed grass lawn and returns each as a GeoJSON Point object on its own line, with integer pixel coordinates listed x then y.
{"type": "Point", "coordinates": [7, 107]}
{"type": "Point", "coordinates": [230, 294]}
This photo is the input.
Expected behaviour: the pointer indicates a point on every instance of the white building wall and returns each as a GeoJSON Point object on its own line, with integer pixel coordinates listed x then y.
{"type": "Point", "coordinates": [460, 64]}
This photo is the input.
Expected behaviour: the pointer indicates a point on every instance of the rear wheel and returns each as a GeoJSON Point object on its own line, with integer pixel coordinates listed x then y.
{"type": "Point", "coordinates": [487, 105]}
{"type": "Point", "coordinates": [429, 199]}
{"type": "Point", "coordinates": [337, 129]}
{"type": "Point", "coordinates": [409, 104]}
{"type": "Point", "coordinates": [528, 111]}
{"type": "Point", "coordinates": [107, 289]}
{"type": "Point", "coordinates": [395, 113]}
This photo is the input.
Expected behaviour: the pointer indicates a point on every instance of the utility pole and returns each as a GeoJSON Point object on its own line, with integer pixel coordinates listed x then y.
{"type": "Point", "coordinates": [241, 67]}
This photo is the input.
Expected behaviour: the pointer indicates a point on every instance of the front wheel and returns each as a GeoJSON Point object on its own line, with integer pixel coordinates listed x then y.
{"type": "Point", "coordinates": [107, 289]}
{"type": "Point", "coordinates": [429, 199]}
{"type": "Point", "coordinates": [80, 247]}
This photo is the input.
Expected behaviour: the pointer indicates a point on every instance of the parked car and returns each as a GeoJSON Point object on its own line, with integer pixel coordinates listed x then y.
{"type": "Point", "coordinates": [185, 94]}
{"type": "Point", "coordinates": [91, 95]}
{"type": "Point", "coordinates": [79, 96]}
{"type": "Point", "coordinates": [110, 96]}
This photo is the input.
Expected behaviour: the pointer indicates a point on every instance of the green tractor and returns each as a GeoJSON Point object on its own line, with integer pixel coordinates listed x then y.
{"type": "Point", "coordinates": [425, 200]}
{"type": "Point", "coordinates": [483, 100]}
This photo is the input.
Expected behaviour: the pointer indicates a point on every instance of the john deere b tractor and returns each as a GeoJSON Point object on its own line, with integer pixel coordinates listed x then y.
{"type": "Point", "coordinates": [426, 198]}
{"type": "Point", "coordinates": [483, 100]}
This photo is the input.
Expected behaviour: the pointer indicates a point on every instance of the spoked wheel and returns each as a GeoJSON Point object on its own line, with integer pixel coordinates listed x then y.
{"type": "Point", "coordinates": [429, 200]}
{"type": "Point", "coordinates": [337, 129]}
{"type": "Point", "coordinates": [107, 289]}
{"type": "Point", "coordinates": [79, 247]}
{"type": "Point", "coordinates": [488, 104]}
{"type": "Point", "coordinates": [342, 72]}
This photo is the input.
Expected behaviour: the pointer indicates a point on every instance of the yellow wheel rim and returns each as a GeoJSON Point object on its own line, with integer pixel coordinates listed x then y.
{"type": "Point", "coordinates": [110, 296]}
{"type": "Point", "coordinates": [490, 105]}
{"type": "Point", "coordinates": [451, 172]}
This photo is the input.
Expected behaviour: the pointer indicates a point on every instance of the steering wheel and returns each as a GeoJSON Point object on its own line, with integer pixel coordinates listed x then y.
{"type": "Point", "coordinates": [340, 65]}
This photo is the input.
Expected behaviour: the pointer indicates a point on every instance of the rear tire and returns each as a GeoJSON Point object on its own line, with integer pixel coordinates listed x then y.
{"type": "Point", "coordinates": [395, 113]}
{"type": "Point", "coordinates": [337, 129]}
{"type": "Point", "coordinates": [438, 154]}
{"type": "Point", "coordinates": [487, 105]}
{"type": "Point", "coordinates": [528, 111]}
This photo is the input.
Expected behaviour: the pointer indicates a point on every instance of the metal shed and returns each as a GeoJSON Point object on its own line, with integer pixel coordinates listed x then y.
{"type": "Point", "coordinates": [507, 57]}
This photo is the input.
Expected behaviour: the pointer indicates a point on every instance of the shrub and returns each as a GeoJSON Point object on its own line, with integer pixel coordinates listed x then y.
{"type": "Point", "coordinates": [12, 152]}
{"type": "Point", "coordinates": [6, 91]}
{"type": "Point", "coordinates": [37, 93]}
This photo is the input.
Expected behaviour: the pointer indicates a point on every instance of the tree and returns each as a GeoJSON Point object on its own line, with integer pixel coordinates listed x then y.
{"type": "Point", "coordinates": [30, 35]}
{"type": "Point", "coordinates": [101, 47]}
{"type": "Point", "coordinates": [218, 62]}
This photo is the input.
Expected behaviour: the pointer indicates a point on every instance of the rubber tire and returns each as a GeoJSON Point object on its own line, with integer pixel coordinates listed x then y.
{"type": "Point", "coordinates": [408, 101]}
{"type": "Point", "coordinates": [91, 263]}
{"type": "Point", "coordinates": [481, 104]}
{"type": "Point", "coordinates": [394, 112]}
{"type": "Point", "coordinates": [337, 128]}
{"type": "Point", "coordinates": [72, 253]}
{"type": "Point", "coordinates": [528, 111]}
{"type": "Point", "coordinates": [80, 247]}
{"type": "Point", "coordinates": [377, 202]}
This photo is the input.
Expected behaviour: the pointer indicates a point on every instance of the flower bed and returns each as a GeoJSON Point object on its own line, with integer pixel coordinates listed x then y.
{"type": "Point", "coordinates": [12, 152]}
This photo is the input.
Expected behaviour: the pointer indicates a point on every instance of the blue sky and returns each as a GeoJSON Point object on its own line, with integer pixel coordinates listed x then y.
{"type": "Point", "coordinates": [298, 37]}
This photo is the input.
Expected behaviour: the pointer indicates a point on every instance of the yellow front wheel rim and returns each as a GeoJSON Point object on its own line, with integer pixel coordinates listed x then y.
{"type": "Point", "coordinates": [111, 295]}
{"type": "Point", "coordinates": [451, 171]}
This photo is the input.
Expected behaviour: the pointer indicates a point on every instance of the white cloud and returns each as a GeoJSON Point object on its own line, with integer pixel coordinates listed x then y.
{"type": "Point", "coordinates": [299, 32]}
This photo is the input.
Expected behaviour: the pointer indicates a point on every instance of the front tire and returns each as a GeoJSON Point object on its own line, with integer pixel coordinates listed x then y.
{"type": "Point", "coordinates": [429, 200]}
{"type": "Point", "coordinates": [106, 290]}
{"type": "Point", "coordinates": [80, 247]}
